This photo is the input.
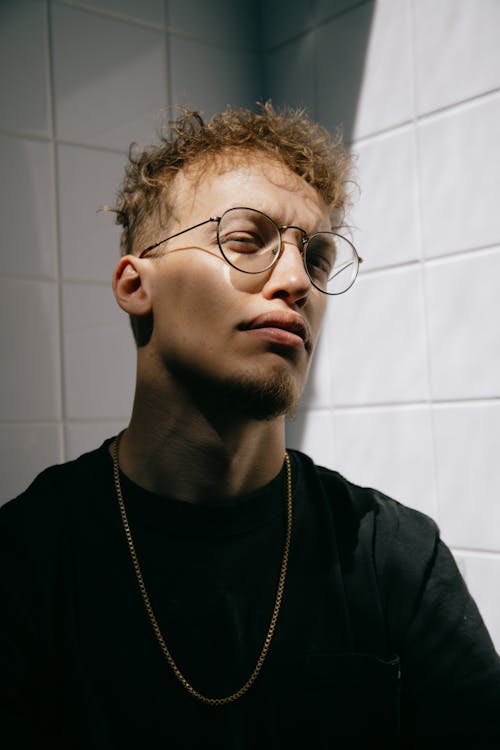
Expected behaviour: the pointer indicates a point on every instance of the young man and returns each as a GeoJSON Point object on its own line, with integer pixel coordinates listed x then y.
{"type": "Point", "coordinates": [191, 583]}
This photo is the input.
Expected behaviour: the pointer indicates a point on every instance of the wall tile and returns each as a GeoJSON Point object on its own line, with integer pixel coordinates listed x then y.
{"type": "Point", "coordinates": [102, 98]}
{"type": "Point", "coordinates": [223, 21]}
{"type": "Point", "coordinates": [312, 433]}
{"type": "Point", "coordinates": [364, 69]}
{"type": "Point", "coordinates": [385, 216]}
{"type": "Point", "coordinates": [460, 178]}
{"type": "Point", "coordinates": [209, 78]}
{"type": "Point", "coordinates": [25, 450]}
{"type": "Point", "coordinates": [468, 474]}
{"type": "Point", "coordinates": [29, 341]}
{"type": "Point", "coordinates": [464, 326]}
{"type": "Point", "coordinates": [457, 51]}
{"type": "Point", "coordinates": [290, 74]}
{"type": "Point", "coordinates": [282, 20]}
{"type": "Point", "coordinates": [87, 436]}
{"type": "Point", "coordinates": [27, 208]}
{"type": "Point", "coordinates": [482, 574]}
{"type": "Point", "coordinates": [90, 241]}
{"type": "Point", "coordinates": [99, 354]}
{"type": "Point", "coordinates": [390, 450]}
{"type": "Point", "coordinates": [151, 11]}
{"type": "Point", "coordinates": [318, 391]}
{"type": "Point", "coordinates": [24, 67]}
{"type": "Point", "coordinates": [377, 340]}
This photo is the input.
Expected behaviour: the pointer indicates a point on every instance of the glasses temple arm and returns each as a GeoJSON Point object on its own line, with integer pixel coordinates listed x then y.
{"type": "Point", "coordinates": [177, 234]}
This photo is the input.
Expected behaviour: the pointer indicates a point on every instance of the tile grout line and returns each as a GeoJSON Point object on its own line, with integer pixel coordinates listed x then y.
{"type": "Point", "coordinates": [421, 262]}
{"type": "Point", "coordinates": [471, 552]}
{"type": "Point", "coordinates": [113, 15]}
{"type": "Point", "coordinates": [424, 118]}
{"type": "Point", "coordinates": [153, 26]}
{"type": "Point", "coordinates": [466, 401]}
{"type": "Point", "coordinates": [55, 177]}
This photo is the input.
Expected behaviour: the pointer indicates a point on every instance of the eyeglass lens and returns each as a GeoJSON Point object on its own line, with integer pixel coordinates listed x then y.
{"type": "Point", "coordinates": [250, 241]}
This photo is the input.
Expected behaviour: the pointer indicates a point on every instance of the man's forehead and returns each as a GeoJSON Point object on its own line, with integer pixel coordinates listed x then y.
{"type": "Point", "coordinates": [241, 169]}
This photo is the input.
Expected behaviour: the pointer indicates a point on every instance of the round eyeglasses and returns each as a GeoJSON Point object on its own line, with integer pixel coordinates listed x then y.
{"type": "Point", "coordinates": [251, 242]}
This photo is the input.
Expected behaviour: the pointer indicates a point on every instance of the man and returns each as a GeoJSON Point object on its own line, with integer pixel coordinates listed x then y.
{"type": "Point", "coordinates": [190, 583]}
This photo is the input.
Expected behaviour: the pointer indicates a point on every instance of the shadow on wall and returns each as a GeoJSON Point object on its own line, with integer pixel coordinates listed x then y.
{"type": "Point", "coordinates": [316, 53]}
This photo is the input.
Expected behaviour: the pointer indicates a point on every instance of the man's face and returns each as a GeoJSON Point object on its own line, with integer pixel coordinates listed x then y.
{"type": "Point", "coordinates": [244, 340]}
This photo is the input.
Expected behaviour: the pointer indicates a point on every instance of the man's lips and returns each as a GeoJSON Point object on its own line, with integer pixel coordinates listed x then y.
{"type": "Point", "coordinates": [271, 323]}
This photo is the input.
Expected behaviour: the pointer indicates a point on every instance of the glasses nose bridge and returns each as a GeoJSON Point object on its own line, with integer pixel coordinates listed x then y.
{"type": "Point", "coordinates": [305, 236]}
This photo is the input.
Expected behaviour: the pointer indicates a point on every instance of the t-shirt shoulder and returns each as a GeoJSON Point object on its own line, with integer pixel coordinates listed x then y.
{"type": "Point", "coordinates": [389, 521]}
{"type": "Point", "coordinates": [57, 484]}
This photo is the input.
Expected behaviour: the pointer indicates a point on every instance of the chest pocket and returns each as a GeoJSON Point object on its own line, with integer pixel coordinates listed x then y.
{"type": "Point", "coordinates": [350, 695]}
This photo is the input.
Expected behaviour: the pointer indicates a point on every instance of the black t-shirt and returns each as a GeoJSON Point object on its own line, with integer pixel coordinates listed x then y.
{"type": "Point", "coordinates": [377, 635]}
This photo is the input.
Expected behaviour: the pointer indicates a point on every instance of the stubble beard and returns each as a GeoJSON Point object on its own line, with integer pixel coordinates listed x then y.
{"type": "Point", "coordinates": [264, 398]}
{"type": "Point", "coordinates": [252, 395]}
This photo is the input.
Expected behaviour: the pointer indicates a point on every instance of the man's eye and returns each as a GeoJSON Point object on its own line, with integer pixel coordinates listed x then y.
{"type": "Point", "coordinates": [242, 242]}
{"type": "Point", "coordinates": [319, 265]}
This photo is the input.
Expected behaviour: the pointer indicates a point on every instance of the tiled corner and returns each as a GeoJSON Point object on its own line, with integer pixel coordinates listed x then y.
{"type": "Point", "coordinates": [148, 11]}
{"type": "Point", "coordinates": [364, 68]}
{"type": "Point", "coordinates": [90, 239]}
{"type": "Point", "coordinates": [386, 94]}
{"type": "Point", "coordinates": [223, 21]}
{"type": "Point", "coordinates": [482, 574]}
{"type": "Point", "coordinates": [29, 339]}
{"type": "Point", "coordinates": [377, 340]}
{"type": "Point", "coordinates": [27, 208]}
{"type": "Point", "coordinates": [312, 433]}
{"type": "Point", "coordinates": [390, 450]}
{"type": "Point", "coordinates": [24, 78]}
{"type": "Point", "coordinates": [25, 450]}
{"type": "Point", "coordinates": [81, 437]}
{"type": "Point", "coordinates": [99, 354]}
{"type": "Point", "coordinates": [282, 20]}
{"type": "Point", "coordinates": [460, 178]}
{"type": "Point", "coordinates": [290, 74]}
{"type": "Point", "coordinates": [457, 51]}
{"type": "Point", "coordinates": [112, 96]}
{"type": "Point", "coordinates": [385, 216]}
{"type": "Point", "coordinates": [467, 437]}
{"type": "Point", "coordinates": [342, 46]}
{"type": "Point", "coordinates": [464, 325]}
{"type": "Point", "coordinates": [197, 65]}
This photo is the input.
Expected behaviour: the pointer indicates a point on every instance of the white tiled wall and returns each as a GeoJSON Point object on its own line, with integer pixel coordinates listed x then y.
{"type": "Point", "coordinates": [79, 81]}
{"type": "Point", "coordinates": [405, 394]}
{"type": "Point", "coordinates": [413, 350]}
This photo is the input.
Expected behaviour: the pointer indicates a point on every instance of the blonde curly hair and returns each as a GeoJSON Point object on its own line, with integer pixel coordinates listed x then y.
{"type": "Point", "coordinates": [289, 137]}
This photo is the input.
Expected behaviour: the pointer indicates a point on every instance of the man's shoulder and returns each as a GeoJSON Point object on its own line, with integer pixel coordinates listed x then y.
{"type": "Point", "coordinates": [366, 507]}
{"type": "Point", "coordinates": [56, 487]}
{"type": "Point", "coordinates": [395, 543]}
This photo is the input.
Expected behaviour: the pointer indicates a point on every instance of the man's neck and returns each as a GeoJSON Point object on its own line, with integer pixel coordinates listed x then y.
{"type": "Point", "coordinates": [178, 448]}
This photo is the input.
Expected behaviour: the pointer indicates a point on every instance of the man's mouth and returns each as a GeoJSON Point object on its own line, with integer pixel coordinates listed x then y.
{"type": "Point", "coordinates": [284, 328]}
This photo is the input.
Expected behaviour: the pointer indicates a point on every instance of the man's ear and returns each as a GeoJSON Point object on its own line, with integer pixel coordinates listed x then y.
{"type": "Point", "coordinates": [128, 285]}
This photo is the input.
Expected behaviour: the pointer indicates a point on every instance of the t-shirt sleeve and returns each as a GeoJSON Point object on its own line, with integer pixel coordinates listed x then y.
{"type": "Point", "coordinates": [450, 671]}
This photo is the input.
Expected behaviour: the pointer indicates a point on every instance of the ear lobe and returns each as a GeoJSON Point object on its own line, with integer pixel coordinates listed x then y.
{"type": "Point", "coordinates": [129, 288]}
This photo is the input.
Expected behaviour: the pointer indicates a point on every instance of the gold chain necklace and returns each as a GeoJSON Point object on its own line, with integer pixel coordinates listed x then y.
{"type": "Point", "coordinates": [149, 609]}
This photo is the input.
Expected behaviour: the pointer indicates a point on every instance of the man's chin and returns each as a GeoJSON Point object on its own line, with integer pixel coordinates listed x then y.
{"type": "Point", "coordinates": [263, 399]}
{"type": "Point", "coordinates": [254, 395]}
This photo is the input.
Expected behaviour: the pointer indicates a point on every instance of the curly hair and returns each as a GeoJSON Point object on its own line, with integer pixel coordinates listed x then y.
{"type": "Point", "coordinates": [289, 137]}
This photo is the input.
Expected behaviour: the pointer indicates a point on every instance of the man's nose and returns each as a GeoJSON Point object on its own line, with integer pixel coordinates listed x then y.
{"type": "Point", "coordinates": [288, 278]}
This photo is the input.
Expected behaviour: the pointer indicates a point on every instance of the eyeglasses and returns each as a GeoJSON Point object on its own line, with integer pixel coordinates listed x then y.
{"type": "Point", "coordinates": [251, 242]}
